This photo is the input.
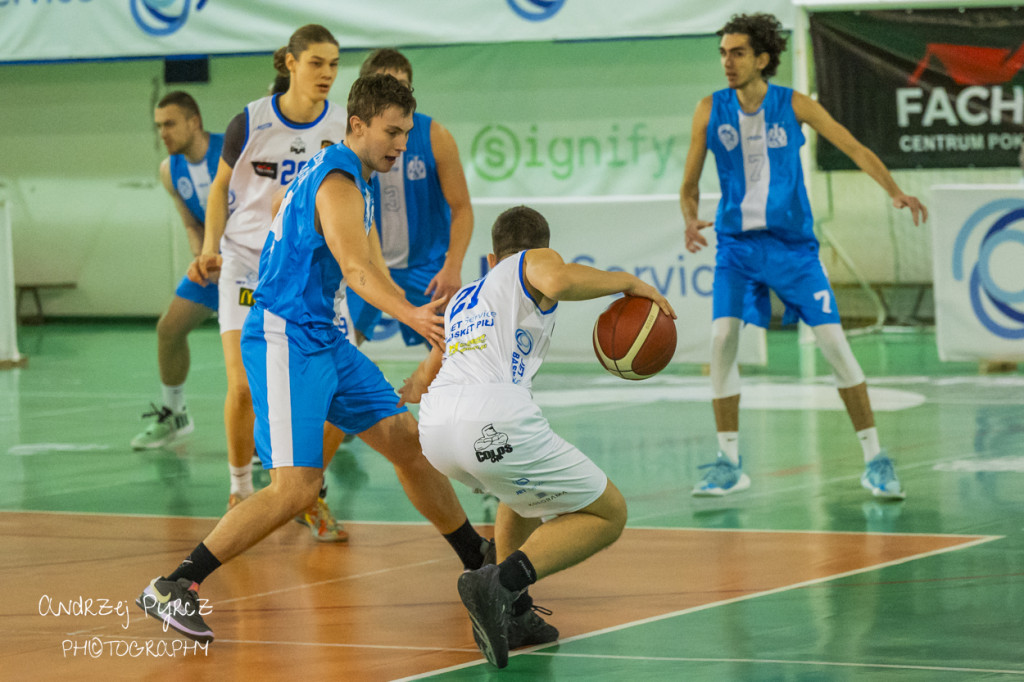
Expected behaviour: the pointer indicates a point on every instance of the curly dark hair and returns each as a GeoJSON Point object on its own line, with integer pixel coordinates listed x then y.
{"type": "Point", "coordinates": [765, 32]}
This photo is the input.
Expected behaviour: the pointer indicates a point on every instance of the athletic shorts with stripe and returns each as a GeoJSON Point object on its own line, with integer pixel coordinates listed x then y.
{"type": "Point", "coordinates": [300, 377]}
{"type": "Point", "coordinates": [493, 438]}
{"type": "Point", "coordinates": [749, 264]}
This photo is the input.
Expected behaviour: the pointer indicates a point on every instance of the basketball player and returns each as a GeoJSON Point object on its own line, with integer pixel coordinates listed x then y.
{"type": "Point", "coordinates": [186, 175]}
{"type": "Point", "coordinates": [267, 144]}
{"type": "Point", "coordinates": [425, 218]}
{"type": "Point", "coordinates": [302, 368]}
{"type": "Point", "coordinates": [480, 425]}
{"type": "Point", "coordinates": [766, 238]}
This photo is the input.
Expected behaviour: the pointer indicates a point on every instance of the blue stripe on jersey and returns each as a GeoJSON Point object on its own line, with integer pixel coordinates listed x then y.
{"type": "Point", "coordinates": [293, 124]}
{"type": "Point", "coordinates": [759, 171]}
{"type": "Point", "coordinates": [298, 273]}
{"type": "Point", "coordinates": [181, 179]}
{"type": "Point", "coordinates": [522, 284]}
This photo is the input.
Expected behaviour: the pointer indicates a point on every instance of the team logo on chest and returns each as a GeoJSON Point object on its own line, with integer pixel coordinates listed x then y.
{"type": "Point", "coordinates": [777, 136]}
{"type": "Point", "coordinates": [415, 168]}
{"type": "Point", "coordinates": [298, 146]}
{"type": "Point", "coordinates": [728, 136]}
{"type": "Point", "coordinates": [185, 189]}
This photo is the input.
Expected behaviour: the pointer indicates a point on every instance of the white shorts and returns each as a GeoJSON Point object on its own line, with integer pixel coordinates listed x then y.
{"type": "Point", "coordinates": [238, 277]}
{"type": "Point", "coordinates": [493, 437]}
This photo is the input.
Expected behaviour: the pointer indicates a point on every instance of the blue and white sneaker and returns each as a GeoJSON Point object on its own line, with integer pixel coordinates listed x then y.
{"type": "Point", "coordinates": [880, 478]}
{"type": "Point", "coordinates": [723, 477]}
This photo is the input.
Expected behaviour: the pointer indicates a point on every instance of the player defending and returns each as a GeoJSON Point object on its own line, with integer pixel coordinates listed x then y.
{"type": "Point", "coordinates": [303, 371]}
{"type": "Point", "coordinates": [425, 218]}
{"type": "Point", "coordinates": [480, 425]}
{"type": "Point", "coordinates": [766, 238]}
{"type": "Point", "coordinates": [186, 175]}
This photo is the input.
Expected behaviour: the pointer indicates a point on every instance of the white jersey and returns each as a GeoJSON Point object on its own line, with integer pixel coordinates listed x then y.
{"type": "Point", "coordinates": [274, 152]}
{"type": "Point", "coordinates": [494, 331]}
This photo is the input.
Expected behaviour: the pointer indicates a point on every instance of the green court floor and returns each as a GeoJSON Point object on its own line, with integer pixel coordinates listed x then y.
{"type": "Point", "coordinates": [957, 437]}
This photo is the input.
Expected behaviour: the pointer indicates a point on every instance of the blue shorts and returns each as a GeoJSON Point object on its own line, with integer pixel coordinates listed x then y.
{"type": "Point", "coordinates": [413, 281]}
{"type": "Point", "coordinates": [301, 377]}
{"type": "Point", "coordinates": [749, 264]}
{"type": "Point", "coordinates": [197, 293]}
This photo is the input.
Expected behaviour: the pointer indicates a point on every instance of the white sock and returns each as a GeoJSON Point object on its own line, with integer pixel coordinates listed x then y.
{"type": "Point", "coordinates": [174, 397]}
{"type": "Point", "coordinates": [869, 442]}
{"type": "Point", "coordinates": [729, 444]}
{"type": "Point", "coordinates": [241, 480]}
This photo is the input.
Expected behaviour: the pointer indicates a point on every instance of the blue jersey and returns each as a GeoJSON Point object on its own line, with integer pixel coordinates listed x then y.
{"type": "Point", "coordinates": [758, 159]}
{"type": "Point", "coordinates": [192, 181]}
{"type": "Point", "coordinates": [415, 219]}
{"type": "Point", "coordinates": [298, 274]}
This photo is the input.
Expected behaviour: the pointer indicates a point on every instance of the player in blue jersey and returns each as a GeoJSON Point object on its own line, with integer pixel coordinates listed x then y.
{"type": "Point", "coordinates": [186, 175]}
{"type": "Point", "coordinates": [301, 368]}
{"type": "Point", "coordinates": [265, 147]}
{"type": "Point", "coordinates": [766, 239]}
{"type": "Point", "coordinates": [424, 215]}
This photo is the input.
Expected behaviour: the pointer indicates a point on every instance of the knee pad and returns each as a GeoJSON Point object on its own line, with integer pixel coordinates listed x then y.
{"type": "Point", "coordinates": [836, 349]}
{"type": "Point", "coordinates": [725, 344]}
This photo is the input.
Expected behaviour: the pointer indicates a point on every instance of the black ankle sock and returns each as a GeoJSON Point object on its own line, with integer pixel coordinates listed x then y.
{"type": "Point", "coordinates": [516, 572]}
{"type": "Point", "coordinates": [199, 564]}
{"type": "Point", "coordinates": [467, 544]}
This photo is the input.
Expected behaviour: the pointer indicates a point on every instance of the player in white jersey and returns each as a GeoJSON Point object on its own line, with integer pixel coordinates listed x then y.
{"type": "Point", "coordinates": [186, 175]}
{"type": "Point", "coordinates": [265, 147]}
{"type": "Point", "coordinates": [766, 237]}
{"type": "Point", "coordinates": [480, 425]}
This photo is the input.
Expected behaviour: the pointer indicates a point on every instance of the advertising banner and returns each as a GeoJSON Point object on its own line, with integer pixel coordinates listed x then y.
{"type": "Point", "coordinates": [34, 30]}
{"type": "Point", "coordinates": [979, 283]}
{"type": "Point", "coordinates": [641, 235]}
{"type": "Point", "coordinates": [940, 88]}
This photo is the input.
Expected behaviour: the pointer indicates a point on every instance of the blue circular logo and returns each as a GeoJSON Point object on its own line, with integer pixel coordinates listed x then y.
{"type": "Point", "coordinates": [524, 340]}
{"type": "Point", "coordinates": [996, 307]}
{"type": "Point", "coordinates": [162, 17]}
{"type": "Point", "coordinates": [536, 10]}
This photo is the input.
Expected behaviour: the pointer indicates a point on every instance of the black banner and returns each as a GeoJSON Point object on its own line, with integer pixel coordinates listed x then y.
{"type": "Point", "coordinates": [923, 88]}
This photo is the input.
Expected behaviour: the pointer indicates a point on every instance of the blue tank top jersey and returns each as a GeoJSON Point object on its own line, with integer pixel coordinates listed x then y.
{"type": "Point", "coordinates": [758, 159]}
{"type": "Point", "coordinates": [415, 219]}
{"type": "Point", "coordinates": [193, 186]}
{"type": "Point", "coordinates": [298, 275]}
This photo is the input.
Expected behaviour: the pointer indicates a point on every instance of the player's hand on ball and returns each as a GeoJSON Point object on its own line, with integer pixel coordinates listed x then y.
{"type": "Point", "coordinates": [645, 290]}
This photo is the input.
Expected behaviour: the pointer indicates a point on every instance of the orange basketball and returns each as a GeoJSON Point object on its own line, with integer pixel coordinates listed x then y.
{"type": "Point", "coordinates": [634, 339]}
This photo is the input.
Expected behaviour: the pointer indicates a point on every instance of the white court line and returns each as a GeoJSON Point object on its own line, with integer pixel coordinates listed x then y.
{"type": "Point", "coordinates": [716, 604]}
{"type": "Point", "coordinates": [781, 661]}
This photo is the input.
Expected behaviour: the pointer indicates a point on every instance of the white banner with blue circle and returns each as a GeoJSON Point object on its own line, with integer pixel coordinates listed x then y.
{"type": "Point", "coordinates": [33, 30]}
{"type": "Point", "coordinates": [978, 251]}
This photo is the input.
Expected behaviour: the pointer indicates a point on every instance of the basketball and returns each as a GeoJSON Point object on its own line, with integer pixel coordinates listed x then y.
{"type": "Point", "coordinates": [634, 339]}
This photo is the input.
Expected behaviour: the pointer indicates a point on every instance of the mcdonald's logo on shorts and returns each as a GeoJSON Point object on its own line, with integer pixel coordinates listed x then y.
{"type": "Point", "coordinates": [245, 297]}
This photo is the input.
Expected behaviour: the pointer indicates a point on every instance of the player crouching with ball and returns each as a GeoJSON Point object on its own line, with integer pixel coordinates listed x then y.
{"type": "Point", "coordinates": [479, 425]}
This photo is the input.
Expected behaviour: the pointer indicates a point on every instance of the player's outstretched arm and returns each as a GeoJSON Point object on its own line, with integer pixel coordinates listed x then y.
{"type": "Point", "coordinates": [339, 206]}
{"type": "Point", "coordinates": [813, 114]}
{"type": "Point", "coordinates": [689, 193]}
{"type": "Point", "coordinates": [556, 280]}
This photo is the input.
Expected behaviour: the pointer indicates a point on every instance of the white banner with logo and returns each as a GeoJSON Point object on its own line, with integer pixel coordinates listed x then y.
{"type": "Point", "coordinates": [641, 235]}
{"type": "Point", "coordinates": [37, 30]}
{"type": "Point", "coordinates": [978, 249]}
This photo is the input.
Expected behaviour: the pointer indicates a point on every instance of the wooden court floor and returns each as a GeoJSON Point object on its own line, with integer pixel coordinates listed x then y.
{"type": "Point", "coordinates": [803, 577]}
